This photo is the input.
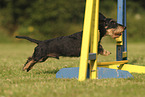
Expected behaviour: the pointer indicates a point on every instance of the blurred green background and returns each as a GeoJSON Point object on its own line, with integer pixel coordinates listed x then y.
{"type": "Point", "coordinates": [45, 19]}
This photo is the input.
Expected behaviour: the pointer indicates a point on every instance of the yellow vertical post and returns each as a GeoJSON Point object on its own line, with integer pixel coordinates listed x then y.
{"type": "Point", "coordinates": [85, 41]}
{"type": "Point", "coordinates": [94, 37]}
{"type": "Point", "coordinates": [90, 25]}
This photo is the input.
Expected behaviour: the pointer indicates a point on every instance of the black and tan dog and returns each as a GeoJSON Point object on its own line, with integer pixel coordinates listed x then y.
{"type": "Point", "coordinates": [70, 45]}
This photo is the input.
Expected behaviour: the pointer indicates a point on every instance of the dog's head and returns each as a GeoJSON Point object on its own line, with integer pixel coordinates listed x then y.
{"type": "Point", "coordinates": [112, 28]}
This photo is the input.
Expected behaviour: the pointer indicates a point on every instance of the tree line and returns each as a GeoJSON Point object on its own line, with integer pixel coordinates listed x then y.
{"type": "Point", "coordinates": [52, 18]}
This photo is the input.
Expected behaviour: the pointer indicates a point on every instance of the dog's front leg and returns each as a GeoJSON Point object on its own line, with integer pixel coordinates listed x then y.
{"type": "Point", "coordinates": [102, 51]}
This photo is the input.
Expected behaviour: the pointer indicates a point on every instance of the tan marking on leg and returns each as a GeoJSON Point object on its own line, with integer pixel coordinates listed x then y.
{"type": "Point", "coordinates": [28, 64]}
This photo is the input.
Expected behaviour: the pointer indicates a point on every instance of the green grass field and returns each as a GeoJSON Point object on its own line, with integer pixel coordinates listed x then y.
{"type": "Point", "coordinates": [41, 81]}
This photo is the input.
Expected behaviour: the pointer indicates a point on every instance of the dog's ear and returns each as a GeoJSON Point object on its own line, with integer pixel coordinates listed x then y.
{"type": "Point", "coordinates": [102, 22]}
{"type": "Point", "coordinates": [101, 16]}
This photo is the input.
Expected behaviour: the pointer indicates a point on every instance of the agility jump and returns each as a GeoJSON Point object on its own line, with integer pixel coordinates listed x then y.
{"type": "Point", "coordinates": [96, 70]}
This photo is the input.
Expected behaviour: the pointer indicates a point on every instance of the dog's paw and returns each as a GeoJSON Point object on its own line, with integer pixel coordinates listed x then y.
{"type": "Point", "coordinates": [106, 53]}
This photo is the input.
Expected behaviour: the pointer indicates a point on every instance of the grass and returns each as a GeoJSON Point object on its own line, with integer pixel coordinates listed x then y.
{"type": "Point", "coordinates": [41, 81]}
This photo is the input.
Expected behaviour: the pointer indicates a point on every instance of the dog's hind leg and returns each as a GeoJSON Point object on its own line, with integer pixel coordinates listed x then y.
{"type": "Point", "coordinates": [30, 66]}
{"type": "Point", "coordinates": [29, 63]}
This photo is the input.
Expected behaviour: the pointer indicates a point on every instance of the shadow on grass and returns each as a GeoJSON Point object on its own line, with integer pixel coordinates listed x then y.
{"type": "Point", "coordinates": [51, 71]}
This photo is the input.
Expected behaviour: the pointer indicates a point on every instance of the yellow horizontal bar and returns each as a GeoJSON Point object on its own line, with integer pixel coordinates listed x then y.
{"type": "Point", "coordinates": [112, 63]}
{"type": "Point", "coordinates": [130, 68]}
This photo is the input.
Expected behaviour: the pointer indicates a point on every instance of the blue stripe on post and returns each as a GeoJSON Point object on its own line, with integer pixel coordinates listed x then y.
{"type": "Point", "coordinates": [120, 21]}
{"type": "Point", "coordinates": [120, 12]}
{"type": "Point", "coordinates": [125, 32]}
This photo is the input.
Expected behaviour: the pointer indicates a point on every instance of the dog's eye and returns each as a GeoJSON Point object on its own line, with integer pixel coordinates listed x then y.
{"type": "Point", "coordinates": [112, 22]}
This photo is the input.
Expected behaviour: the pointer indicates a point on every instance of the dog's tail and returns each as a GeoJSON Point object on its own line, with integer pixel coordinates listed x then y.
{"type": "Point", "coordinates": [28, 38]}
